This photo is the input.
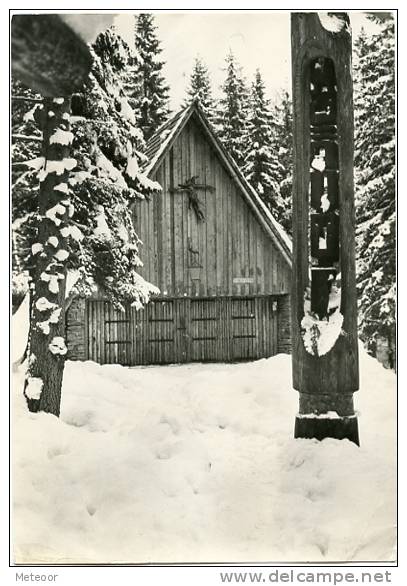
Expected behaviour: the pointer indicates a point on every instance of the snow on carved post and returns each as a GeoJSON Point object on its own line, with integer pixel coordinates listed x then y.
{"type": "Point", "coordinates": [47, 348]}
{"type": "Point", "coordinates": [324, 310]}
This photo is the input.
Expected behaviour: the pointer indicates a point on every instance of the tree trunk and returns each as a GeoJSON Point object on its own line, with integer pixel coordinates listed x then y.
{"type": "Point", "coordinates": [47, 348]}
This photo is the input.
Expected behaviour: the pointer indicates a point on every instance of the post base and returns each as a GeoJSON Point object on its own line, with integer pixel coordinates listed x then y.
{"type": "Point", "coordinates": [322, 427]}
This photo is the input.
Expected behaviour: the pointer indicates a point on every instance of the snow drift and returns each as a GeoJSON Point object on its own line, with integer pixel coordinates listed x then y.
{"type": "Point", "coordinates": [198, 463]}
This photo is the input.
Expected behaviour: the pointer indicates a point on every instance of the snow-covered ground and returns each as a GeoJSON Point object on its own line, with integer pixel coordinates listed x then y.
{"type": "Point", "coordinates": [198, 463]}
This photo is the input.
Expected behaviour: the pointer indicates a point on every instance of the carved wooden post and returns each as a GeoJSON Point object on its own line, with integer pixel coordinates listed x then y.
{"type": "Point", "coordinates": [324, 310]}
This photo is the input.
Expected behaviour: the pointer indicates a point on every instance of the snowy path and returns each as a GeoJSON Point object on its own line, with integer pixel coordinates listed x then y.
{"type": "Point", "coordinates": [197, 463]}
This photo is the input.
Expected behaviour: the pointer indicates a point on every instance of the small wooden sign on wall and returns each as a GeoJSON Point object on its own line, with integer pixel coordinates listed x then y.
{"type": "Point", "coordinates": [243, 280]}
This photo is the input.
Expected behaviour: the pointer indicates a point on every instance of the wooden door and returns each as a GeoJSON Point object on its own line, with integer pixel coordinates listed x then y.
{"type": "Point", "coordinates": [205, 330]}
{"type": "Point", "coordinates": [161, 332]}
{"type": "Point", "coordinates": [109, 333]}
{"type": "Point", "coordinates": [244, 331]}
{"type": "Point", "coordinates": [166, 331]}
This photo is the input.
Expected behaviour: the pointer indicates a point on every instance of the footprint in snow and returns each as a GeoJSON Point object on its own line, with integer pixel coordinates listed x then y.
{"type": "Point", "coordinates": [91, 509]}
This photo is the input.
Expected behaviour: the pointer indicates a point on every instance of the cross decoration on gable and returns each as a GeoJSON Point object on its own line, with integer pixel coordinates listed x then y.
{"type": "Point", "coordinates": [191, 186]}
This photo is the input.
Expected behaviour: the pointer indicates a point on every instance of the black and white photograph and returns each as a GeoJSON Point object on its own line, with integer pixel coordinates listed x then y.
{"type": "Point", "coordinates": [203, 287]}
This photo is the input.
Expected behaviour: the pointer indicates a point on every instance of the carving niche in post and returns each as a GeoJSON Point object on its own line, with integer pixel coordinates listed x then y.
{"type": "Point", "coordinates": [322, 320]}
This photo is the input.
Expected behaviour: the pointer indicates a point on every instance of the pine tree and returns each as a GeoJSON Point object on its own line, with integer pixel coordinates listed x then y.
{"type": "Point", "coordinates": [375, 185]}
{"type": "Point", "coordinates": [26, 145]}
{"type": "Point", "coordinates": [109, 148]}
{"type": "Point", "coordinates": [200, 89]}
{"type": "Point", "coordinates": [262, 167]}
{"type": "Point", "coordinates": [284, 144]}
{"type": "Point", "coordinates": [231, 120]}
{"type": "Point", "coordinates": [130, 76]}
{"type": "Point", "coordinates": [107, 176]}
{"type": "Point", "coordinates": [150, 87]}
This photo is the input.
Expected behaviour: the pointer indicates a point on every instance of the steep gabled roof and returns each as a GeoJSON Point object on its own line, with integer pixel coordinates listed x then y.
{"type": "Point", "coordinates": [157, 144]}
{"type": "Point", "coordinates": [163, 139]}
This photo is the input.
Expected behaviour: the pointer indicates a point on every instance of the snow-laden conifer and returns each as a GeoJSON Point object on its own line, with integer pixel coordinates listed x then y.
{"type": "Point", "coordinates": [231, 119]}
{"type": "Point", "coordinates": [200, 89]}
{"type": "Point", "coordinates": [375, 185]}
{"type": "Point", "coordinates": [262, 167]}
{"type": "Point", "coordinates": [145, 83]}
{"type": "Point", "coordinates": [107, 148]}
{"type": "Point", "coordinates": [284, 144]}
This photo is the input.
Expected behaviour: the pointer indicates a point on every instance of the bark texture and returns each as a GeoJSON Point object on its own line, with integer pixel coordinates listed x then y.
{"type": "Point", "coordinates": [49, 260]}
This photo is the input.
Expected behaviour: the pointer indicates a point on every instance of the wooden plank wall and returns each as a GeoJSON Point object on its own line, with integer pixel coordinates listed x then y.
{"type": "Point", "coordinates": [231, 242]}
{"type": "Point", "coordinates": [173, 330]}
{"type": "Point", "coordinates": [207, 334]}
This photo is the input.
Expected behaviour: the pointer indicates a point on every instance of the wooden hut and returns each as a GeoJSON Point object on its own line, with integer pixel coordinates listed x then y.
{"type": "Point", "coordinates": [219, 258]}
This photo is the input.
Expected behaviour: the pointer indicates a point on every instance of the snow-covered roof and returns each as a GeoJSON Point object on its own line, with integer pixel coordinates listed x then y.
{"type": "Point", "coordinates": [158, 143]}
{"type": "Point", "coordinates": [164, 138]}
